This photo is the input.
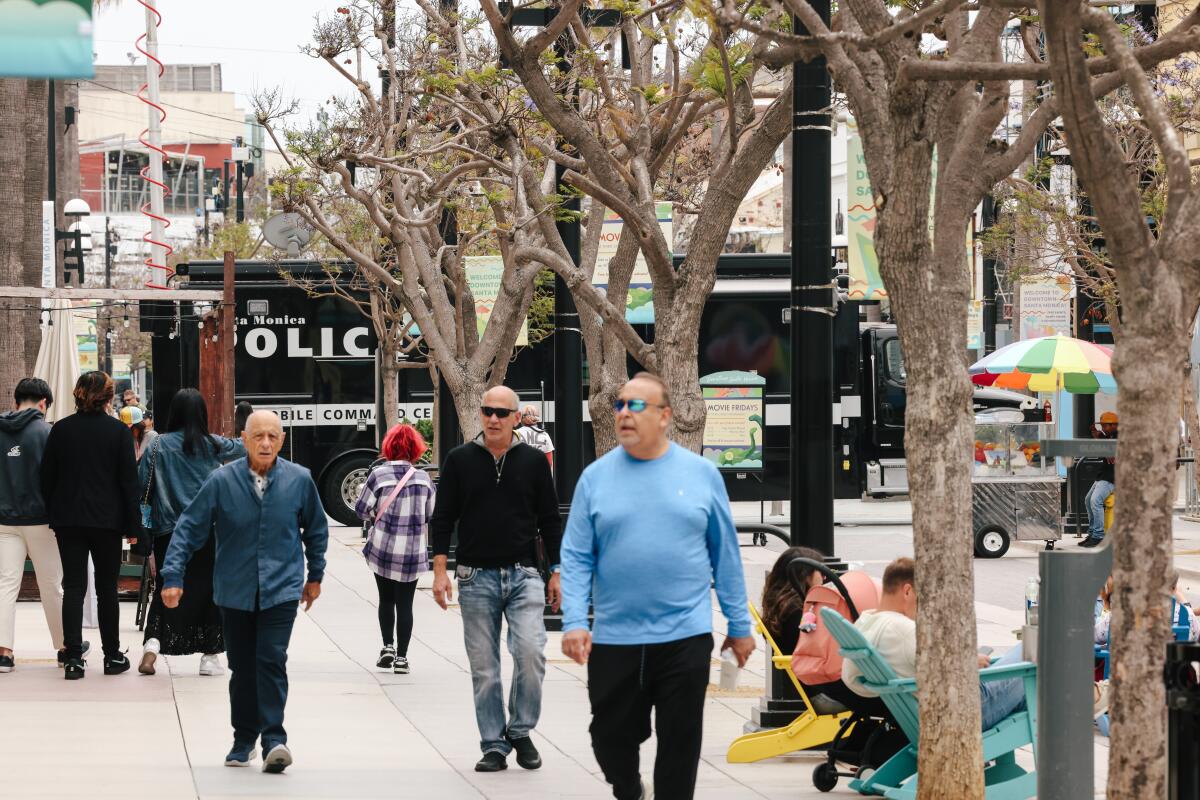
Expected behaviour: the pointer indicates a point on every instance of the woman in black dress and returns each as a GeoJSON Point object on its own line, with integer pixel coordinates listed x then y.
{"type": "Point", "coordinates": [172, 472]}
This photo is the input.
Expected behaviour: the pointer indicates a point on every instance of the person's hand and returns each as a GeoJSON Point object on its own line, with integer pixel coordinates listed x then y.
{"type": "Point", "coordinates": [443, 590]}
{"type": "Point", "coordinates": [554, 592]}
{"type": "Point", "coordinates": [312, 590]}
{"type": "Point", "coordinates": [171, 597]}
{"type": "Point", "coordinates": [132, 540]}
{"type": "Point", "coordinates": [742, 647]}
{"type": "Point", "coordinates": [984, 662]}
{"type": "Point", "coordinates": [577, 644]}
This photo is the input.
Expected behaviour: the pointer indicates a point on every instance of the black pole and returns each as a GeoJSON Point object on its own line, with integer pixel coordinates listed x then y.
{"type": "Point", "coordinates": [51, 146]}
{"type": "Point", "coordinates": [448, 430]}
{"type": "Point", "coordinates": [812, 332]}
{"type": "Point", "coordinates": [225, 189]}
{"type": "Point", "coordinates": [241, 207]}
{"type": "Point", "coordinates": [988, 219]}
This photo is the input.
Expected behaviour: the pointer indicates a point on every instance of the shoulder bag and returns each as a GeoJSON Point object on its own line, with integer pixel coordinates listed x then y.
{"type": "Point", "coordinates": [146, 506]}
{"type": "Point", "coordinates": [392, 496]}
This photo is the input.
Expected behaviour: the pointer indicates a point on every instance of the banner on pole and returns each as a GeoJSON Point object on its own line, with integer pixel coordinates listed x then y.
{"type": "Point", "coordinates": [46, 39]}
{"type": "Point", "coordinates": [484, 274]}
{"type": "Point", "coordinates": [863, 263]}
{"type": "Point", "coordinates": [1046, 306]}
{"type": "Point", "coordinates": [639, 303]}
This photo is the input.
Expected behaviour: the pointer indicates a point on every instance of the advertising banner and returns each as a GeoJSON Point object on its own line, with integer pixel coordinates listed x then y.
{"type": "Point", "coordinates": [733, 425]}
{"type": "Point", "coordinates": [639, 305]}
{"type": "Point", "coordinates": [1045, 306]}
{"type": "Point", "coordinates": [484, 274]}
{"type": "Point", "coordinates": [46, 39]}
{"type": "Point", "coordinates": [863, 263]}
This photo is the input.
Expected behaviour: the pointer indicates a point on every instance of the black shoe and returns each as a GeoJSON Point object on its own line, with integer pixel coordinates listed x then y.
{"type": "Point", "coordinates": [527, 755]}
{"type": "Point", "coordinates": [84, 648]}
{"type": "Point", "coordinates": [116, 665]}
{"type": "Point", "coordinates": [1090, 542]}
{"type": "Point", "coordinates": [73, 669]}
{"type": "Point", "coordinates": [492, 761]}
{"type": "Point", "coordinates": [7, 663]}
{"type": "Point", "coordinates": [400, 666]}
{"type": "Point", "coordinates": [387, 657]}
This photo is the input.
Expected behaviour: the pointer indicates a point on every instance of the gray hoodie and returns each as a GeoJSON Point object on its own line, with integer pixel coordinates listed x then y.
{"type": "Point", "coordinates": [22, 443]}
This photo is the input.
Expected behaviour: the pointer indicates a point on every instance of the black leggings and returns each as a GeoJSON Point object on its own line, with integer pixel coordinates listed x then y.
{"type": "Point", "coordinates": [74, 545]}
{"type": "Point", "coordinates": [395, 611]}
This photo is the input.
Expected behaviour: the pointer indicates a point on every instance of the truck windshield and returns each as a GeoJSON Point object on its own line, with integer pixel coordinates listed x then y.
{"type": "Point", "coordinates": [894, 361]}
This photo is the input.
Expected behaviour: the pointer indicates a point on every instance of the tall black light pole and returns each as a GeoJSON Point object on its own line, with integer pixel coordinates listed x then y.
{"type": "Point", "coordinates": [811, 331]}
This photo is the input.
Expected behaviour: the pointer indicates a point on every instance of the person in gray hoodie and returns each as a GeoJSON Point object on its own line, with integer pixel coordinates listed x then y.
{"type": "Point", "coordinates": [24, 528]}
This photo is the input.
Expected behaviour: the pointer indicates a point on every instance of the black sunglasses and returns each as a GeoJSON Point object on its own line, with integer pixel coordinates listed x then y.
{"type": "Point", "coordinates": [499, 413]}
{"type": "Point", "coordinates": [636, 405]}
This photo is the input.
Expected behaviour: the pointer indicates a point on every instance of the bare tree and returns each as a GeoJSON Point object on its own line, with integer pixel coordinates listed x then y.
{"type": "Point", "coordinates": [414, 154]}
{"type": "Point", "coordinates": [1158, 271]}
{"type": "Point", "coordinates": [628, 139]}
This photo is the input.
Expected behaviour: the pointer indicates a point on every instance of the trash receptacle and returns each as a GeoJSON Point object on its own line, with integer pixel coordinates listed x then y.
{"type": "Point", "coordinates": [1181, 674]}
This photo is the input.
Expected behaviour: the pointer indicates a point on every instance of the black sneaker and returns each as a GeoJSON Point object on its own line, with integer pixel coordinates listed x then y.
{"type": "Point", "coordinates": [387, 657]}
{"type": "Point", "coordinates": [527, 755]}
{"type": "Point", "coordinates": [116, 665]}
{"type": "Point", "coordinates": [7, 663]}
{"type": "Point", "coordinates": [400, 667]}
{"type": "Point", "coordinates": [73, 669]}
{"type": "Point", "coordinates": [492, 761]}
{"type": "Point", "coordinates": [84, 648]}
{"type": "Point", "coordinates": [1090, 541]}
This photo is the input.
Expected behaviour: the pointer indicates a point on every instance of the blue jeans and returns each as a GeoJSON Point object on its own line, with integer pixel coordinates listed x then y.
{"type": "Point", "coordinates": [1095, 503]}
{"type": "Point", "coordinates": [518, 594]}
{"type": "Point", "coordinates": [1000, 699]}
{"type": "Point", "coordinates": [256, 644]}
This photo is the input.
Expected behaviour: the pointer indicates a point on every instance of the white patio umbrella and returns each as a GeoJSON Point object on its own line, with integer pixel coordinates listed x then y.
{"type": "Point", "coordinates": [58, 359]}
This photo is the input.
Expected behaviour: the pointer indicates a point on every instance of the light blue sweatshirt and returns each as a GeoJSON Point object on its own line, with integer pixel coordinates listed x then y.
{"type": "Point", "coordinates": [644, 542]}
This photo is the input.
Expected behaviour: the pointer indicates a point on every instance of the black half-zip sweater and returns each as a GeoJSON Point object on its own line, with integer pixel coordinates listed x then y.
{"type": "Point", "coordinates": [497, 517]}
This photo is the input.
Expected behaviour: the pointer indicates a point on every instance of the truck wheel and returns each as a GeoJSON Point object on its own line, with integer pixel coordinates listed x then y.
{"type": "Point", "coordinates": [991, 542]}
{"type": "Point", "coordinates": [340, 487]}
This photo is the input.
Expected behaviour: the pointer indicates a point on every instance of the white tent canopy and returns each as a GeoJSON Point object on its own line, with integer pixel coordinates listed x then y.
{"type": "Point", "coordinates": [58, 358]}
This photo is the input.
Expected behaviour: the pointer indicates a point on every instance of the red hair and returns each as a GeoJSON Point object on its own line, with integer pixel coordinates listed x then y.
{"type": "Point", "coordinates": [403, 443]}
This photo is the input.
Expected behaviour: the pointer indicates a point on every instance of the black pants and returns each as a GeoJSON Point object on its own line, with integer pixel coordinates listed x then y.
{"type": "Point", "coordinates": [624, 683]}
{"type": "Point", "coordinates": [256, 645]}
{"type": "Point", "coordinates": [395, 611]}
{"type": "Point", "coordinates": [74, 545]}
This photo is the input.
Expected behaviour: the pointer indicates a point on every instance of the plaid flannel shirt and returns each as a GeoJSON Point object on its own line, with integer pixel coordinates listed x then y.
{"type": "Point", "coordinates": [395, 546]}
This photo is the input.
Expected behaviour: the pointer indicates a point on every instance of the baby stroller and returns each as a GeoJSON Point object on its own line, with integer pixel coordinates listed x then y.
{"type": "Point", "coordinates": [865, 739]}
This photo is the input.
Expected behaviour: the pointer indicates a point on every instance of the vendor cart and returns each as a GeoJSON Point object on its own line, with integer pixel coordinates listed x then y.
{"type": "Point", "coordinates": [1016, 492]}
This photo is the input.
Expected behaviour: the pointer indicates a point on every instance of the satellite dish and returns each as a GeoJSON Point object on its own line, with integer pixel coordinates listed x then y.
{"type": "Point", "coordinates": [287, 232]}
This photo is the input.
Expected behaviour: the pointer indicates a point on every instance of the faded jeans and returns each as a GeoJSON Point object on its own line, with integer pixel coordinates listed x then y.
{"type": "Point", "coordinates": [1095, 503]}
{"type": "Point", "coordinates": [1000, 699]}
{"type": "Point", "coordinates": [518, 594]}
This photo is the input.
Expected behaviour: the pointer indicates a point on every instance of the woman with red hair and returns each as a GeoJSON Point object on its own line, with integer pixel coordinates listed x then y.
{"type": "Point", "coordinates": [398, 501]}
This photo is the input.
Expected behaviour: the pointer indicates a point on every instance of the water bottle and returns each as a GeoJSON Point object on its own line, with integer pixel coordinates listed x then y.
{"type": "Point", "coordinates": [729, 670]}
{"type": "Point", "coordinates": [1032, 590]}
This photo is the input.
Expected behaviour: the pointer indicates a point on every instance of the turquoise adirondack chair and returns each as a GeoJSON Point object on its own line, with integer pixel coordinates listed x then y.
{"type": "Point", "coordinates": [897, 778]}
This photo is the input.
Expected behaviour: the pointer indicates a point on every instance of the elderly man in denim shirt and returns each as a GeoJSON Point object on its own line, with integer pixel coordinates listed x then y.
{"type": "Point", "coordinates": [262, 509]}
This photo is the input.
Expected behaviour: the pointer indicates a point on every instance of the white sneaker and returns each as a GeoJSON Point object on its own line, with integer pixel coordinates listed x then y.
{"type": "Point", "coordinates": [211, 665]}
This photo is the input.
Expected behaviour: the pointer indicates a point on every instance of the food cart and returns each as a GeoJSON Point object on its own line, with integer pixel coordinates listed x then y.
{"type": "Point", "coordinates": [1016, 491]}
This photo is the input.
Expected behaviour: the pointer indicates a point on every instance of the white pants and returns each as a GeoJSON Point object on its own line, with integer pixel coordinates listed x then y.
{"type": "Point", "coordinates": [39, 543]}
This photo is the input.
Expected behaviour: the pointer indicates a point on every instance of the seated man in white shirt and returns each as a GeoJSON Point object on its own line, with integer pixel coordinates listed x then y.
{"type": "Point", "coordinates": [892, 630]}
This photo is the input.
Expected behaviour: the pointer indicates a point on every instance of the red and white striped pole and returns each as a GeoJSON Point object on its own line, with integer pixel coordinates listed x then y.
{"type": "Point", "coordinates": [151, 138]}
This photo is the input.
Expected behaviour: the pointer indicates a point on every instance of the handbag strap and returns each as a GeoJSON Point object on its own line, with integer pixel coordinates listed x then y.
{"type": "Point", "coordinates": [150, 480]}
{"type": "Point", "coordinates": [388, 501]}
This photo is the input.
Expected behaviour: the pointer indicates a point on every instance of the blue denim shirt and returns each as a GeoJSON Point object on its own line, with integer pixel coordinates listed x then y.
{"type": "Point", "coordinates": [178, 476]}
{"type": "Point", "coordinates": [259, 561]}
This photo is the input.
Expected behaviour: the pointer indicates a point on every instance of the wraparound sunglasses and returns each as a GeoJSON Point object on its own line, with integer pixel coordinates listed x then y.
{"type": "Point", "coordinates": [499, 413]}
{"type": "Point", "coordinates": [636, 406]}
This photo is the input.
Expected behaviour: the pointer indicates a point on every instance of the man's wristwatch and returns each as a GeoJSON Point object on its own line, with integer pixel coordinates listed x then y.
{"type": "Point", "coordinates": [557, 568]}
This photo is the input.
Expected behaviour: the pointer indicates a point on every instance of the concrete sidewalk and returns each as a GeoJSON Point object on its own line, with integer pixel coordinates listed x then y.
{"type": "Point", "coordinates": [357, 732]}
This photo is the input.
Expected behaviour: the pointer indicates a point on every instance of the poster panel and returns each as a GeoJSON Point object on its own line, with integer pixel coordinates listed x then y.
{"type": "Point", "coordinates": [46, 39]}
{"type": "Point", "coordinates": [733, 427]}
{"type": "Point", "coordinates": [639, 304]}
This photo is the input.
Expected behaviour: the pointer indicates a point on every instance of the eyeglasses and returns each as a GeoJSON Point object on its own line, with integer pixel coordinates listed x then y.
{"type": "Point", "coordinates": [499, 413]}
{"type": "Point", "coordinates": [635, 406]}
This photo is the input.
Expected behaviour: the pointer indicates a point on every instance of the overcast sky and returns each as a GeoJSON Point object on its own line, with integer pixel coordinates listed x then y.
{"type": "Point", "coordinates": [256, 42]}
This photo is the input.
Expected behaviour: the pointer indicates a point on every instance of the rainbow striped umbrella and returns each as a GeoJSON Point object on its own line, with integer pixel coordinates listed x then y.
{"type": "Point", "coordinates": [1048, 364]}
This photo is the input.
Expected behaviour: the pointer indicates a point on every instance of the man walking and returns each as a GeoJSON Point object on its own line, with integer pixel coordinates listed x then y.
{"type": "Point", "coordinates": [24, 524]}
{"type": "Point", "coordinates": [650, 530]}
{"type": "Point", "coordinates": [268, 521]}
{"type": "Point", "coordinates": [500, 494]}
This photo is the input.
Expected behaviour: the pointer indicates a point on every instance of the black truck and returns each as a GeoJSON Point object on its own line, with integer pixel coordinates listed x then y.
{"type": "Point", "coordinates": [313, 360]}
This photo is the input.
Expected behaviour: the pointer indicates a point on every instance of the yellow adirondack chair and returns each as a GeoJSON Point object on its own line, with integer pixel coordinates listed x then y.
{"type": "Point", "coordinates": [805, 732]}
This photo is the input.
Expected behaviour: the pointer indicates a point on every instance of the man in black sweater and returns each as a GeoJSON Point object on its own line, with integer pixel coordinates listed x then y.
{"type": "Point", "coordinates": [500, 494]}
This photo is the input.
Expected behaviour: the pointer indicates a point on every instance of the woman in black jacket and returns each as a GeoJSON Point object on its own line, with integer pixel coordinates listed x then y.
{"type": "Point", "coordinates": [90, 485]}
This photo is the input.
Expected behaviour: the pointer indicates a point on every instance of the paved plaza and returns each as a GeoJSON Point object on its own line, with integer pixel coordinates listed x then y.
{"type": "Point", "coordinates": [357, 732]}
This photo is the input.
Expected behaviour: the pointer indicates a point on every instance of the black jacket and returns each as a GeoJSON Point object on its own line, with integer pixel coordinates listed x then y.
{"type": "Point", "coordinates": [89, 475]}
{"type": "Point", "coordinates": [497, 518]}
{"type": "Point", "coordinates": [22, 443]}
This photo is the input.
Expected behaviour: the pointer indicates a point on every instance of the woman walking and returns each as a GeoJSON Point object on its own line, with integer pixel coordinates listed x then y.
{"type": "Point", "coordinates": [89, 483]}
{"type": "Point", "coordinates": [171, 473]}
{"type": "Point", "coordinates": [398, 500]}
{"type": "Point", "coordinates": [143, 432]}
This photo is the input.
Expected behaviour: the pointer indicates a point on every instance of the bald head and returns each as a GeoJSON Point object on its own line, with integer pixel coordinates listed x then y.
{"type": "Point", "coordinates": [501, 397]}
{"type": "Point", "coordinates": [263, 438]}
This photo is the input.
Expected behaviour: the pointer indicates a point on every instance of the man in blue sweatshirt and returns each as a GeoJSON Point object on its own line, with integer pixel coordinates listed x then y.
{"type": "Point", "coordinates": [649, 532]}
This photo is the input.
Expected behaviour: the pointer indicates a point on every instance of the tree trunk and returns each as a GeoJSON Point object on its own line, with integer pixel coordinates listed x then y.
{"type": "Point", "coordinates": [34, 189]}
{"type": "Point", "coordinates": [391, 388]}
{"type": "Point", "coordinates": [13, 209]}
{"type": "Point", "coordinates": [466, 405]}
{"type": "Point", "coordinates": [679, 367]}
{"type": "Point", "coordinates": [1149, 367]}
{"type": "Point", "coordinates": [931, 315]}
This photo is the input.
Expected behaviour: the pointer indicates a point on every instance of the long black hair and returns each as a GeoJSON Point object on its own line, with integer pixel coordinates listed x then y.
{"type": "Point", "coordinates": [189, 413]}
{"type": "Point", "coordinates": [241, 413]}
